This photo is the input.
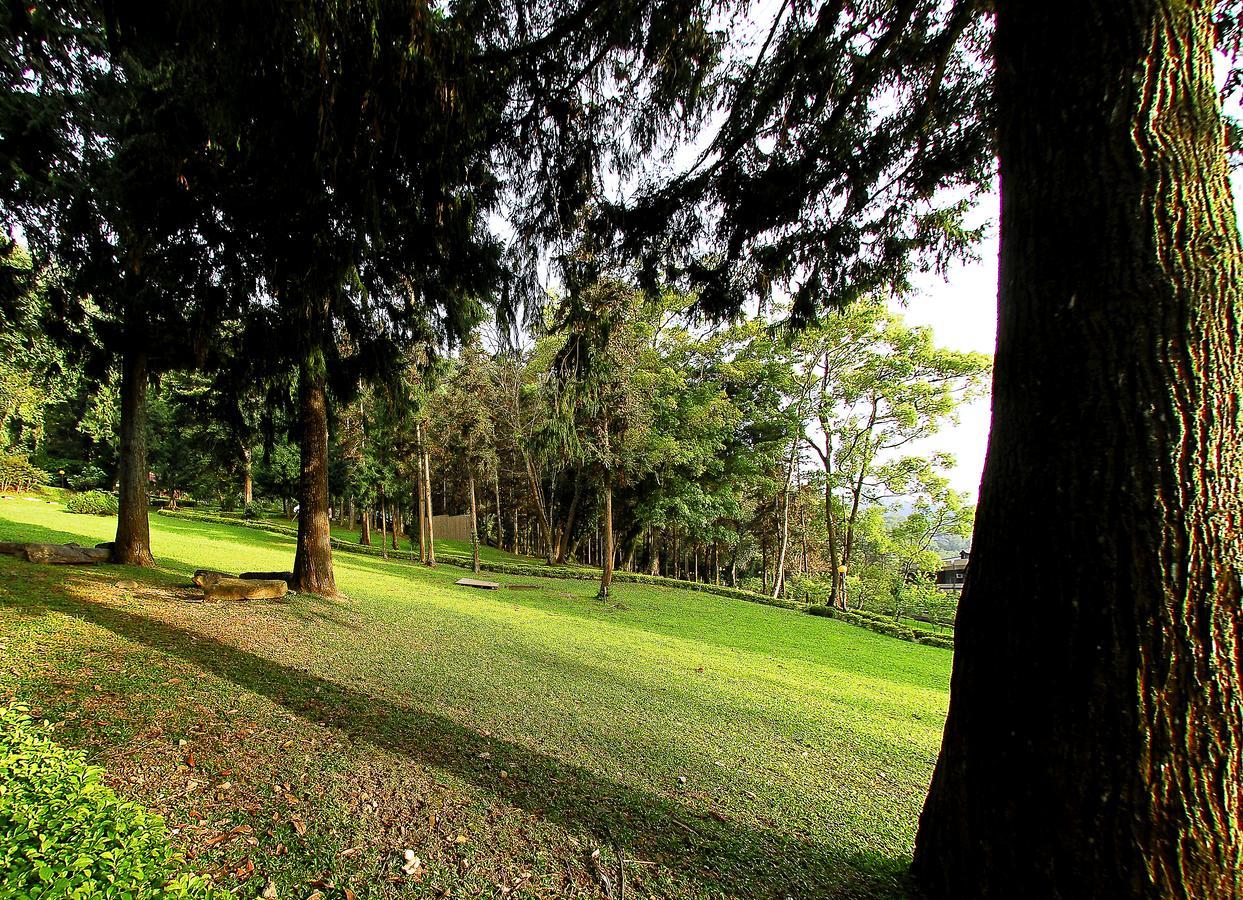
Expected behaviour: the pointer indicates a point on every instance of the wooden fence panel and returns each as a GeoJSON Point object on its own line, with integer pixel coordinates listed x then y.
{"type": "Point", "coordinates": [450, 528]}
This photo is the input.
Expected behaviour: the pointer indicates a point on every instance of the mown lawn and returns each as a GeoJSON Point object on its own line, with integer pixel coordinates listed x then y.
{"type": "Point", "coordinates": [719, 748]}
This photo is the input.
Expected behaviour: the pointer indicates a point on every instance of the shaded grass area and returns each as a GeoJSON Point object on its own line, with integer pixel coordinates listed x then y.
{"type": "Point", "coordinates": [717, 747]}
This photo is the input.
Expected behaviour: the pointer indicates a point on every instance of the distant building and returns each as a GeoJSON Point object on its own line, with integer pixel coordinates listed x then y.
{"type": "Point", "coordinates": [953, 572]}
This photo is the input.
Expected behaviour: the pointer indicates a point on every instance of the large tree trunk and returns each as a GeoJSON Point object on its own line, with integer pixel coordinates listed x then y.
{"type": "Point", "coordinates": [1094, 746]}
{"type": "Point", "coordinates": [312, 564]}
{"type": "Point", "coordinates": [133, 540]}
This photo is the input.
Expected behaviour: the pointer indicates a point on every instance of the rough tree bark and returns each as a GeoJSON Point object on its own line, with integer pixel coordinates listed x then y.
{"type": "Point", "coordinates": [312, 564]}
{"type": "Point", "coordinates": [133, 540]}
{"type": "Point", "coordinates": [365, 537]}
{"type": "Point", "coordinates": [1094, 746]}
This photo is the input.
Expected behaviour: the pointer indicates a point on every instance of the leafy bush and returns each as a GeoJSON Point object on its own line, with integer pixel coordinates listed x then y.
{"type": "Point", "coordinates": [64, 833]}
{"type": "Point", "coordinates": [88, 479]}
{"type": "Point", "coordinates": [18, 473]}
{"type": "Point", "coordinates": [92, 503]}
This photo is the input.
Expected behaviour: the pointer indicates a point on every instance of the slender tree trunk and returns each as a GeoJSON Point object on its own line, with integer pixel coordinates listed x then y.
{"type": "Point", "coordinates": [248, 482]}
{"type": "Point", "coordinates": [606, 546]}
{"type": "Point", "coordinates": [474, 523]}
{"type": "Point", "coordinates": [837, 578]}
{"type": "Point", "coordinates": [421, 501]}
{"type": "Point", "coordinates": [537, 500]}
{"type": "Point", "coordinates": [563, 548]}
{"type": "Point", "coordinates": [500, 522]}
{"type": "Point", "coordinates": [365, 537]}
{"type": "Point", "coordinates": [383, 524]}
{"type": "Point", "coordinates": [312, 565]}
{"type": "Point", "coordinates": [133, 538]}
{"type": "Point", "coordinates": [396, 525]}
{"type": "Point", "coordinates": [1096, 749]}
{"type": "Point", "coordinates": [779, 570]}
{"type": "Point", "coordinates": [427, 483]}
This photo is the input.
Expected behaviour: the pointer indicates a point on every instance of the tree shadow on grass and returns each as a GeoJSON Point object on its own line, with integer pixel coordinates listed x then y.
{"type": "Point", "coordinates": [251, 537]}
{"type": "Point", "coordinates": [13, 530]}
{"type": "Point", "coordinates": [735, 858]}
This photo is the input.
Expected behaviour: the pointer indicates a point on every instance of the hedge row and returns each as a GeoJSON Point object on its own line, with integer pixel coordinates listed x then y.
{"type": "Point", "coordinates": [522, 569]}
{"type": "Point", "coordinates": [64, 833]}
{"type": "Point", "coordinates": [882, 624]}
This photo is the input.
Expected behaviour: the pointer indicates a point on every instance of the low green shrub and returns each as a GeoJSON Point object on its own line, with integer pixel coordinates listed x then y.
{"type": "Point", "coordinates": [92, 503]}
{"type": "Point", "coordinates": [64, 833]}
{"type": "Point", "coordinates": [18, 473]}
{"type": "Point", "coordinates": [882, 625]}
{"type": "Point", "coordinates": [90, 478]}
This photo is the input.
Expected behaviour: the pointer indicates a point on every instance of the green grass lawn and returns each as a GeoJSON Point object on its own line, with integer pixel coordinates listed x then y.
{"type": "Point", "coordinates": [718, 747]}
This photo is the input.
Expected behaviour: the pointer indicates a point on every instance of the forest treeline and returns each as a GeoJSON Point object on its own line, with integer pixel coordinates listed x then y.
{"type": "Point", "coordinates": [742, 454]}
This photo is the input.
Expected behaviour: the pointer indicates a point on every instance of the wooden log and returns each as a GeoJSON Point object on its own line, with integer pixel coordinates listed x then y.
{"type": "Point", "coordinates": [243, 589]}
{"type": "Point", "coordinates": [204, 577]}
{"type": "Point", "coordinates": [267, 576]}
{"type": "Point", "coordinates": [66, 554]}
{"type": "Point", "coordinates": [12, 548]}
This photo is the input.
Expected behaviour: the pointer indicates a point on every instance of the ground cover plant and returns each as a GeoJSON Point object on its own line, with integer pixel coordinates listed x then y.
{"type": "Point", "coordinates": [701, 745]}
{"type": "Point", "coordinates": [64, 833]}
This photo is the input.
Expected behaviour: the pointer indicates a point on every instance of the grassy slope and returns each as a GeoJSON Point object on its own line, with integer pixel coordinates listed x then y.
{"type": "Point", "coordinates": [498, 735]}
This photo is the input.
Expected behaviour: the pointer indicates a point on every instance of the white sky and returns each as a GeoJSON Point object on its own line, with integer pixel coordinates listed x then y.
{"type": "Point", "coordinates": [961, 310]}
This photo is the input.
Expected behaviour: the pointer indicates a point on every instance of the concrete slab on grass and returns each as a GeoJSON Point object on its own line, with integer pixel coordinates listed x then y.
{"type": "Point", "coordinates": [476, 583]}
